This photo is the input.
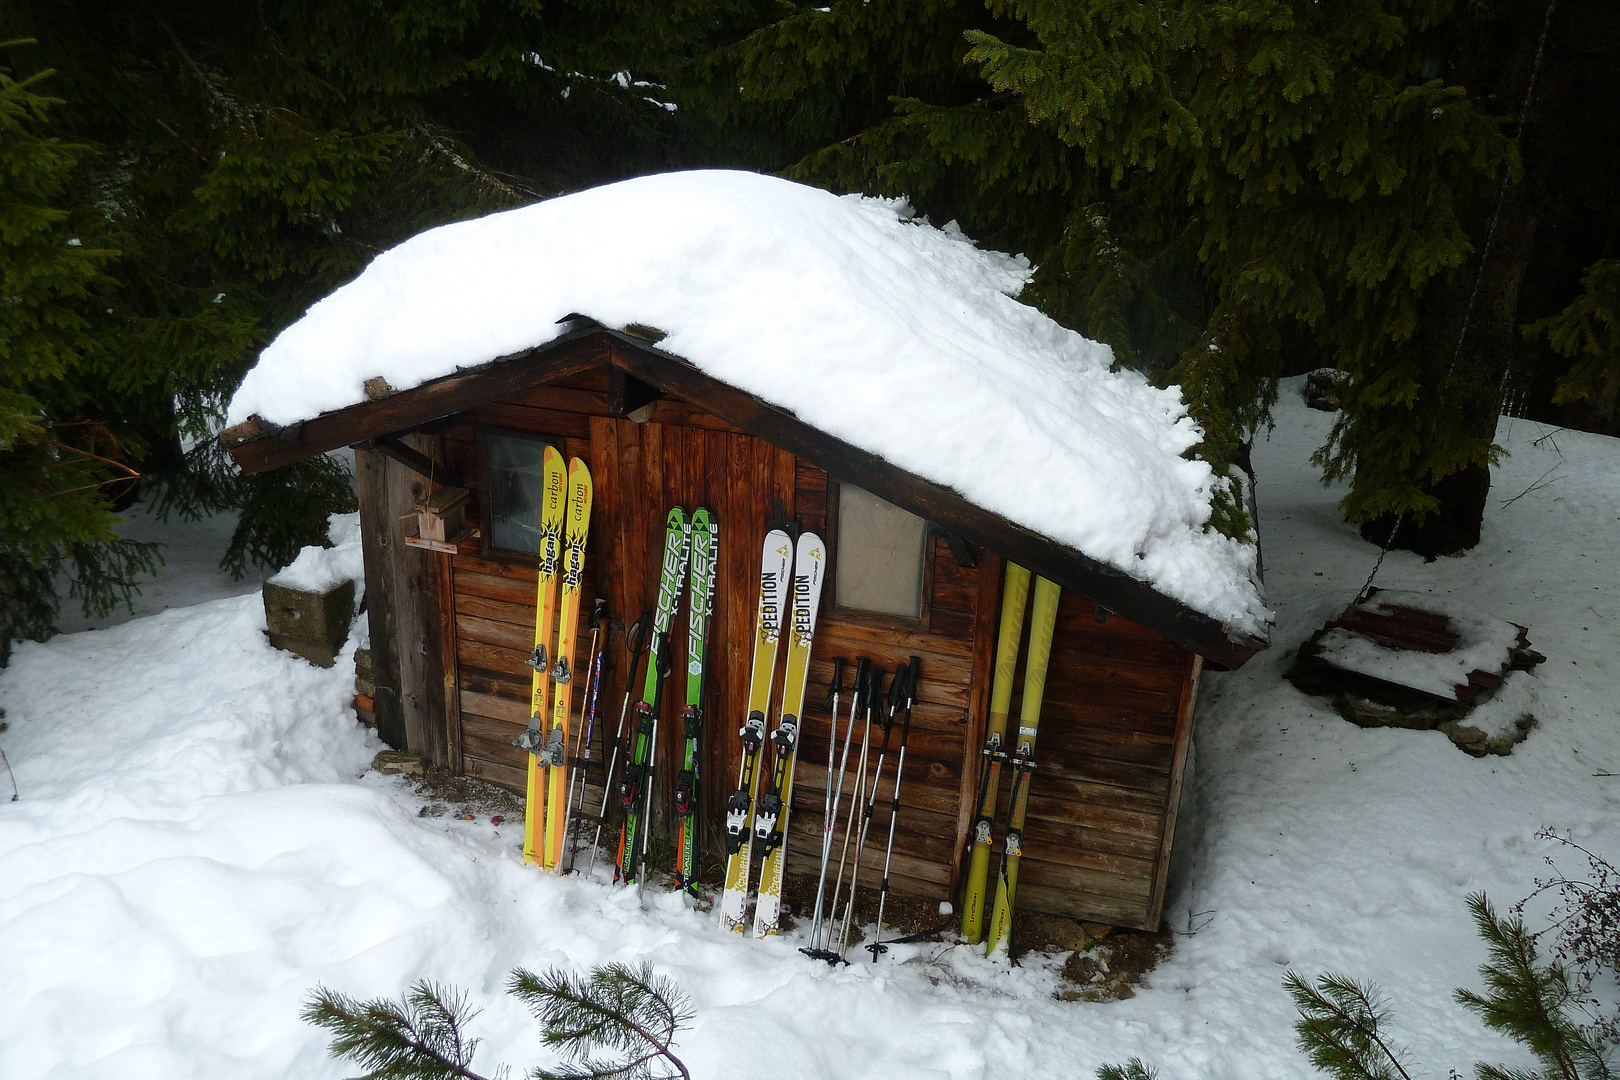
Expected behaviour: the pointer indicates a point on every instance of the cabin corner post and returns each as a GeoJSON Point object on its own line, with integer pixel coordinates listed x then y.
{"type": "Point", "coordinates": [404, 601]}
{"type": "Point", "coordinates": [986, 616]}
{"type": "Point", "coordinates": [376, 540]}
{"type": "Point", "coordinates": [1178, 774]}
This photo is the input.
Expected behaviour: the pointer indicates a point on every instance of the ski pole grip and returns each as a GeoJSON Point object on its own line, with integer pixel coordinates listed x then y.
{"type": "Point", "coordinates": [911, 680]}
{"type": "Point", "coordinates": [599, 610]}
{"type": "Point", "coordinates": [662, 656]}
{"type": "Point", "coordinates": [836, 687]}
{"type": "Point", "coordinates": [874, 688]}
{"type": "Point", "coordinates": [862, 674]}
{"type": "Point", "coordinates": [635, 639]}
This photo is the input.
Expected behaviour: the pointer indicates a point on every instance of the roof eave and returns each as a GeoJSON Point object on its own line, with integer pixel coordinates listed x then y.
{"type": "Point", "coordinates": [586, 345]}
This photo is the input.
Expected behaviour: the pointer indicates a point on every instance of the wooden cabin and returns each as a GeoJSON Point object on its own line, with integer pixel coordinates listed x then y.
{"type": "Point", "coordinates": [915, 570]}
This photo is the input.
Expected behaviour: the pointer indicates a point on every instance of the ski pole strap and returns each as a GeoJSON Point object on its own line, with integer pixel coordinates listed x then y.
{"type": "Point", "coordinates": [836, 687]}
{"type": "Point", "coordinates": [897, 687]}
{"type": "Point", "coordinates": [662, 657]}
{"type": "Point", "coordinates": [635, 639]}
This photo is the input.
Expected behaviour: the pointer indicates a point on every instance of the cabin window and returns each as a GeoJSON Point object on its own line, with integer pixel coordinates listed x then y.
{"type": "Point", "coordinates": [879, 564]}
{"type": "Point", "coordinates": [515, 484]}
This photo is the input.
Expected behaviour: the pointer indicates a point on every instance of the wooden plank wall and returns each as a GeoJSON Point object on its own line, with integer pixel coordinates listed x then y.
{"type": "Point", "coordinates": [1107, 768]}
{"type": "Point", "coordinates": [1107, 778]}
{"type": "Point", "coordinates": [930, 828]}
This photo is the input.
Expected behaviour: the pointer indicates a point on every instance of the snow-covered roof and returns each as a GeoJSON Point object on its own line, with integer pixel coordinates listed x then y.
{"type": "Point", "coordinates": [898, 337]}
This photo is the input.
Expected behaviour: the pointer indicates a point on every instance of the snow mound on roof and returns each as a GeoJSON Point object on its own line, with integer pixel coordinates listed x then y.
{"type": "Point", "coordinates": [896, 336]}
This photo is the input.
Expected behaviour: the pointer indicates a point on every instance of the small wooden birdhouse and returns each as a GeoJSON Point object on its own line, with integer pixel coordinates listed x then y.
{"type": "Point", "coordinates": [441, 520]}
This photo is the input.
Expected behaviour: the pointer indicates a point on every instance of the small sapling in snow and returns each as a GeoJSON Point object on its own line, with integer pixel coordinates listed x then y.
{"type": "Point", "coordinates": [618, 1022]}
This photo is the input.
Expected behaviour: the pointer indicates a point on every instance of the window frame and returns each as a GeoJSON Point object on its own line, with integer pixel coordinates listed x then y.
{"type": "Point", "coordinates": [864, 616]}
{"type": "Point", "coordinates": [485, 489]}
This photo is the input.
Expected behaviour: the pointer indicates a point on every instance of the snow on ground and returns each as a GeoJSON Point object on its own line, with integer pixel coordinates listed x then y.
{"type": "Point", "coordinates": [189, 575]}
{"type": "Point", "coordinates": [198, 845]}
{"type": "Point", "coordinates": [898, 337]}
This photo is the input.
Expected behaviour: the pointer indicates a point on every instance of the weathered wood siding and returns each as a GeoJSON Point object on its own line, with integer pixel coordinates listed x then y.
{"type": "Point", "coordinates": [1112, 739]}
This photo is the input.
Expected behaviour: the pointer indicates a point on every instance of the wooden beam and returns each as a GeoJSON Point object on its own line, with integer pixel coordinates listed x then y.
{"type": "Point", "coordinates": [1172, 803]}
{"type": "Point", "coordinates": [418, 463]}
{"type": "Point", "coordinates": [257, 446]}
{"type": "Point", "coordinates": [933, 502]}
{"type": "Point", "coordinates": [371, 480]}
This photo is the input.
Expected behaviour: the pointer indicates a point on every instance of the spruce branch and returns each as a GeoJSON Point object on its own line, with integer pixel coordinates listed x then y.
{"type": "Point", "coordinates": [1340, 1028]}
{"type": "Point", "coordinates": [1131, 1070]}
{"type": "Point", "coordinates": [417, 1038]}
{"type": "Point", "coordinates": [631, 1012]}
{"type": "Point", "coordinates": [1528, 1002]}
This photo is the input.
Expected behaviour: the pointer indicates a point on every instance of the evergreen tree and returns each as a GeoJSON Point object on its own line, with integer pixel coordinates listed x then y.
{"type": "Point", "coordinates": [56, 464]}
{"type": "Point", "coordinates": [618, 1023]}
{"type": "Point", "coordinates": [1341, 1025]}
{"type": "Point", "coordinates": [1225, 192]}
{"type": "Point", "coordinates": [1341, 1029]}
{"type": "Point", "coordinates": [1588, 332]}
{"type": "Point", "coordinates": [224, 165]}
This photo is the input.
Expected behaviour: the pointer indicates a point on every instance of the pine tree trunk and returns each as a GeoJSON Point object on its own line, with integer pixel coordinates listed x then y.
{"type": "Point", "coordinates": [1471, 322]}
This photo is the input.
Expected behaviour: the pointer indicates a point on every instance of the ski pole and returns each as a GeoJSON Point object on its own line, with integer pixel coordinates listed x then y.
{"type": "Point", "coordinates": [660, 659]}
{"type": "Point", "coordinates": [829, 818]}
{"type": "Point", "coordinates": [862, 705]}
{"type": "Point", "coordinates": [871, 795]}
{"type": "Point", "coordinates": [910, 670]}
{"type": "Point", "coordinates": [587, 733]}
{"type": "Point", "coordinates": [633, 643]}
{"type": "Point", "coordinates": [895, 688]}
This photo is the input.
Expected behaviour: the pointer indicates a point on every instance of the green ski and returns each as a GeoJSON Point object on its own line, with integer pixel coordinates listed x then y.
{"type": "Point", "coordinates": [699, 608]}
{"type": "Point", "coordinates": [635, 790]}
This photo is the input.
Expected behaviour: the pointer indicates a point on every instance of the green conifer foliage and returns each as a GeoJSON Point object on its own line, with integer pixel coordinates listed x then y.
{"type": "Point", "coordinates": [55, 464]}
{"type": "Point", "coordinates": [1228, 191]}
{"type": "Point", "coordinates": [1588, 332]}
{"type": "Point", "coordinates": [1315, 173]}
{"type": "Point", "coordinates": [225, 165]}
{"type": "Point", "coordinates": [617, 1023]}
{"type": "Point", "coordinates": [1529, 1003]}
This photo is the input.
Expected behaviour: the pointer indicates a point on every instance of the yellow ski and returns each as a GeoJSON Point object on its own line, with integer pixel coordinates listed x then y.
{"type": "Point", "coordinates": [775, 565]}
{"type": "Point", "coordinates": [1014, 597]}
{"type": "Point", "coordinates": [775, 807]}
{"type": "Point", "coordinates": [554, 754]}
{"type": "Point", "coordinates": [553, 497]}
{"type": "Point", "coordinates": [1043, 620]}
